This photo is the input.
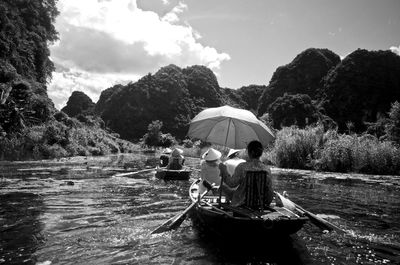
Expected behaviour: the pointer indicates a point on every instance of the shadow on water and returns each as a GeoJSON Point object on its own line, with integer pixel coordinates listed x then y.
{"type": "Point", "coordinates": [20, 227]}
{"type": "Point", "coordinates": [278, 250]}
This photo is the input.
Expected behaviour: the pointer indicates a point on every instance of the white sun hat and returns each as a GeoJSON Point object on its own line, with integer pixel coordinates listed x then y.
{"type": "Point", "coordinates": [167, 151]}
{"type": "Point", "coordinates": [212, 155]}
{"type": "Point", "coordinates": [233, 151]}
{"type": "Point", "coordinates": [177, 152]}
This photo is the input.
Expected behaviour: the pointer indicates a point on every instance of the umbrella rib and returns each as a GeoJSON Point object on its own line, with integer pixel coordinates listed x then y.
{"type": "Point", "coordinates": [227, 133]}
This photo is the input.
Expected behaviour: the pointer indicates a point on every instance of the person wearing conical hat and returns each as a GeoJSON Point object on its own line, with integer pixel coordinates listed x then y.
{"type": "Point", "coordinates": [176, 160]}
{"type": "Point", "coordinates": [209, 168]}
{"type": "Point", "coordinates": [233, 160]}
{"type": "Point", "coordinates": [164, 157]}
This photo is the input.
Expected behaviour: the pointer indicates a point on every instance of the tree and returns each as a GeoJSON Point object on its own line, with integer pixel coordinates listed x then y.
{"type": "Point", "coordinates": [153, 135]}
{"type": "Point", "coordinates": [293, 110]}
{"type": "Point", "coordinates": [26, 26]}
{"type": "Point", "coordinates": [393, 127]}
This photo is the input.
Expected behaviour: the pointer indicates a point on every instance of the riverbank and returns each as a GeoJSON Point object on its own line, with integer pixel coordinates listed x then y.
{"type": "Point", "coordinates": [65, 137]}
{"type": "Point", "coordinates": [316, 149]}
{"type": "Point", "coordinates": [311, 148]}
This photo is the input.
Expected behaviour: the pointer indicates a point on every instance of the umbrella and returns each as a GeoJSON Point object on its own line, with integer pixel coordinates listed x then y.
{"type": "Point", "coordinates": [230, 127]}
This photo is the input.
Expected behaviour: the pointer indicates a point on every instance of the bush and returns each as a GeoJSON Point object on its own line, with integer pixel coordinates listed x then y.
{"type": "Point", "coordinates": [187, 143]}
{"type": "Point", "coordinates": [362, 154]}
{"type": "Point", "coordinates": [167, 140]}
{"type": "Point", "coordinates": [295, 148]}
{"type": "Point", "coordinates": [336, 155]}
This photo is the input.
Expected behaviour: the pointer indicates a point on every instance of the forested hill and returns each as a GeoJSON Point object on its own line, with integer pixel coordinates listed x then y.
{"type": "Point", "coordinates": [30, 126]}
{"type": "Point", "coordinates": [172, 95]}
{"type": "Point", "coordinates": [304, 75]}
{"type": "Point", "coordinates": [25, 30]}
{"type": "Point", "coordinates": [315, 86]}
{"type": "Point", "coordinates": [361, 88]}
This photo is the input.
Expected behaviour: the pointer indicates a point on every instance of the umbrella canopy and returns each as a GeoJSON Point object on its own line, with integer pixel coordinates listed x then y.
{"type": "Point", "coordinates": [228, 126]}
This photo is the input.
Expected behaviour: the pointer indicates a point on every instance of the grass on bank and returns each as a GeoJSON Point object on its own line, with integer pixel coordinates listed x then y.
{"type": "Point", "coordinates": [312, 148]}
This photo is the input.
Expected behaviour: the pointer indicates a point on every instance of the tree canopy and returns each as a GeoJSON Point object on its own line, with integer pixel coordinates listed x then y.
{"type": "Point", "coordinates": [293, 110]}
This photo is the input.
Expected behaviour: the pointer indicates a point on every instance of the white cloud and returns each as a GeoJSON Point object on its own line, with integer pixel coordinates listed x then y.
{"type": "Point", "coordinates": [102, 42]}
{"type": "Point", "coordinates": [172, 16]}
{"type": "Point", "coordinates": [65, 82]}
{"type": "Point", "coordinates": [396, 50]}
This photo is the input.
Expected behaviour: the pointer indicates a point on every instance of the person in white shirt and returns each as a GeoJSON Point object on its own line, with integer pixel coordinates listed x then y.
{"type": "Point", "coordinates": [233, 160]}
{"type": "Point", "coordinates": [209, 168]}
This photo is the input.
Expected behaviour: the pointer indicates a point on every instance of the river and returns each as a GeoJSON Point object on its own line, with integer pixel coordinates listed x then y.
{"type": "Point", "coordinates": [77, 211]}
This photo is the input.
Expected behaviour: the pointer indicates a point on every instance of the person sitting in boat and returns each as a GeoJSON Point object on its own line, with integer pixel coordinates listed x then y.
{"type": "Point", "coordinates": [233, 161]}
{"type": "Point", "coordinates": [164, 157]}
{"type": "Point", "coordinates": [209, 168]}
{"type": "Point", "coordinates": [176, 160]}
{"type": "Point", "coordinates": [234, 187]}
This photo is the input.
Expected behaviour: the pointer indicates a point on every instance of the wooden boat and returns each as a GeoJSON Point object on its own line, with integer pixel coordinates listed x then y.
{"type": "Point", "coordinates": [236, 222]}
{"type": "Point", "coordinates": [169, 174]}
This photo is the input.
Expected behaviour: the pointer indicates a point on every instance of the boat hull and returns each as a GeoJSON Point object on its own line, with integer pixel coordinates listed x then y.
{"type": "Point", "coordinates": [209, 217]}
{"type": "Point", "coordinates": [168, 174]}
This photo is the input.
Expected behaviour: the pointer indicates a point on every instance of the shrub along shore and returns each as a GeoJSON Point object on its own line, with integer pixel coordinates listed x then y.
{"type": "Point", "coordinates": [316, 149]}
{"type": "Point", "coordinates": [63, 137]}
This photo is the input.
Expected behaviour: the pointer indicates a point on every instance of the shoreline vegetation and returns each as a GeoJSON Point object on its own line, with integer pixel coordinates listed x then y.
{"type": "Point", "coordinates": [315, 149]}
{"type": "Point", "coordinates": [63, 137]}
{"type": "Point", "coordinates": [311, 148]}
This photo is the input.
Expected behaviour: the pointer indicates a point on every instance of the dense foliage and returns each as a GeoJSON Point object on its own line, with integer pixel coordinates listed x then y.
{"type": "Point", "coordinates": [30, 127]}
{"type": "Point", "coordinates": [361, 88]}
{"type": "Point", "coordinates": [304, 75]}
{"type": "Point", "coordinates": [314, 148]}
{"type": "Point", "coordinates": [155, 138]}
{"type": "Point", "coordinates": [62, 137]}
{"type": "Point", "coordinates": [293, 110]}
{"type": "Point", "coordinates": [172, 95]}
{"type": "Point", "coordinates": [26, 27]}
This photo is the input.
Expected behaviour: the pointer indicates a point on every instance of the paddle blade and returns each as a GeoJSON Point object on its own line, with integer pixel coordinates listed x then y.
{"type": "Point", "coordinates": [284, 202]}
{"type": "Point", "coordinates": [323, 224]}
{"type": "Point", "coordinates": [178, 219]}
{"type": "Point", "coordinates": [174, 222]}
{"type": "Point", "coordinates": [316, 220]}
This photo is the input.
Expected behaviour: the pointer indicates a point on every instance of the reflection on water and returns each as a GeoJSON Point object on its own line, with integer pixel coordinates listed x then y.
{"type": "Point", "coordinates": [76, 211]}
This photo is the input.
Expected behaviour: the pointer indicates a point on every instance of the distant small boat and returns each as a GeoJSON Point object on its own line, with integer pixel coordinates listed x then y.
{"type": "Point", "coordinates": [170, 174]}
{"type": "Point", "coordinates": [227, 221]}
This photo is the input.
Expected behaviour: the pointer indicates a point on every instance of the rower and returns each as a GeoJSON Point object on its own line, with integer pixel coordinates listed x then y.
{"type": "Point", "coordinates": [164, 157]}
{"type": "Point", "coordinates": [209, 169]}
{"type": "Point", "coordinates": [176, 160]}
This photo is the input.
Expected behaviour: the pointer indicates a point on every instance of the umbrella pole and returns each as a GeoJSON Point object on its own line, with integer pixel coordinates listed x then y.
{"type": "Point", "coordinates": [222, 177]}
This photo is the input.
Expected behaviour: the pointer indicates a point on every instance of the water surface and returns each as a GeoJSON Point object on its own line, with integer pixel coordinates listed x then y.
{"type": "Point", "coordinates": [77, 211]}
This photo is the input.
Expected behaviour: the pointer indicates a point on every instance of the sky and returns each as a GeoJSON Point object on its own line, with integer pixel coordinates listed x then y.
{"type": "Point", "coordinates": [107, 42]}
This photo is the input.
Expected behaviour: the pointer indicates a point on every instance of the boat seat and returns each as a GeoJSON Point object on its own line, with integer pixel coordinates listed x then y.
{"type": "Point", "coordinates": [257, 190]}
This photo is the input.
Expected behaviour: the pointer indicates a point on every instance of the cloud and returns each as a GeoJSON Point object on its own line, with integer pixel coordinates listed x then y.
{"type": "Point", "coordinates": [396, 50]}
{"type": "Point", "coordinates": [64, 82]}
{"type": "Point", "coordinates": [172, 16]}
{"type": "Point", "coordinates": [103, 42]}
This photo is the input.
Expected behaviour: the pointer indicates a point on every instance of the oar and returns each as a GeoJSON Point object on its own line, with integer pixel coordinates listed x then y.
{"type": "Point", "coordinates": [178, 219]}
{"type": "Point", "coordinates": [318, 221]}
{"type": "Point", "coordinates": [134, 173]}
